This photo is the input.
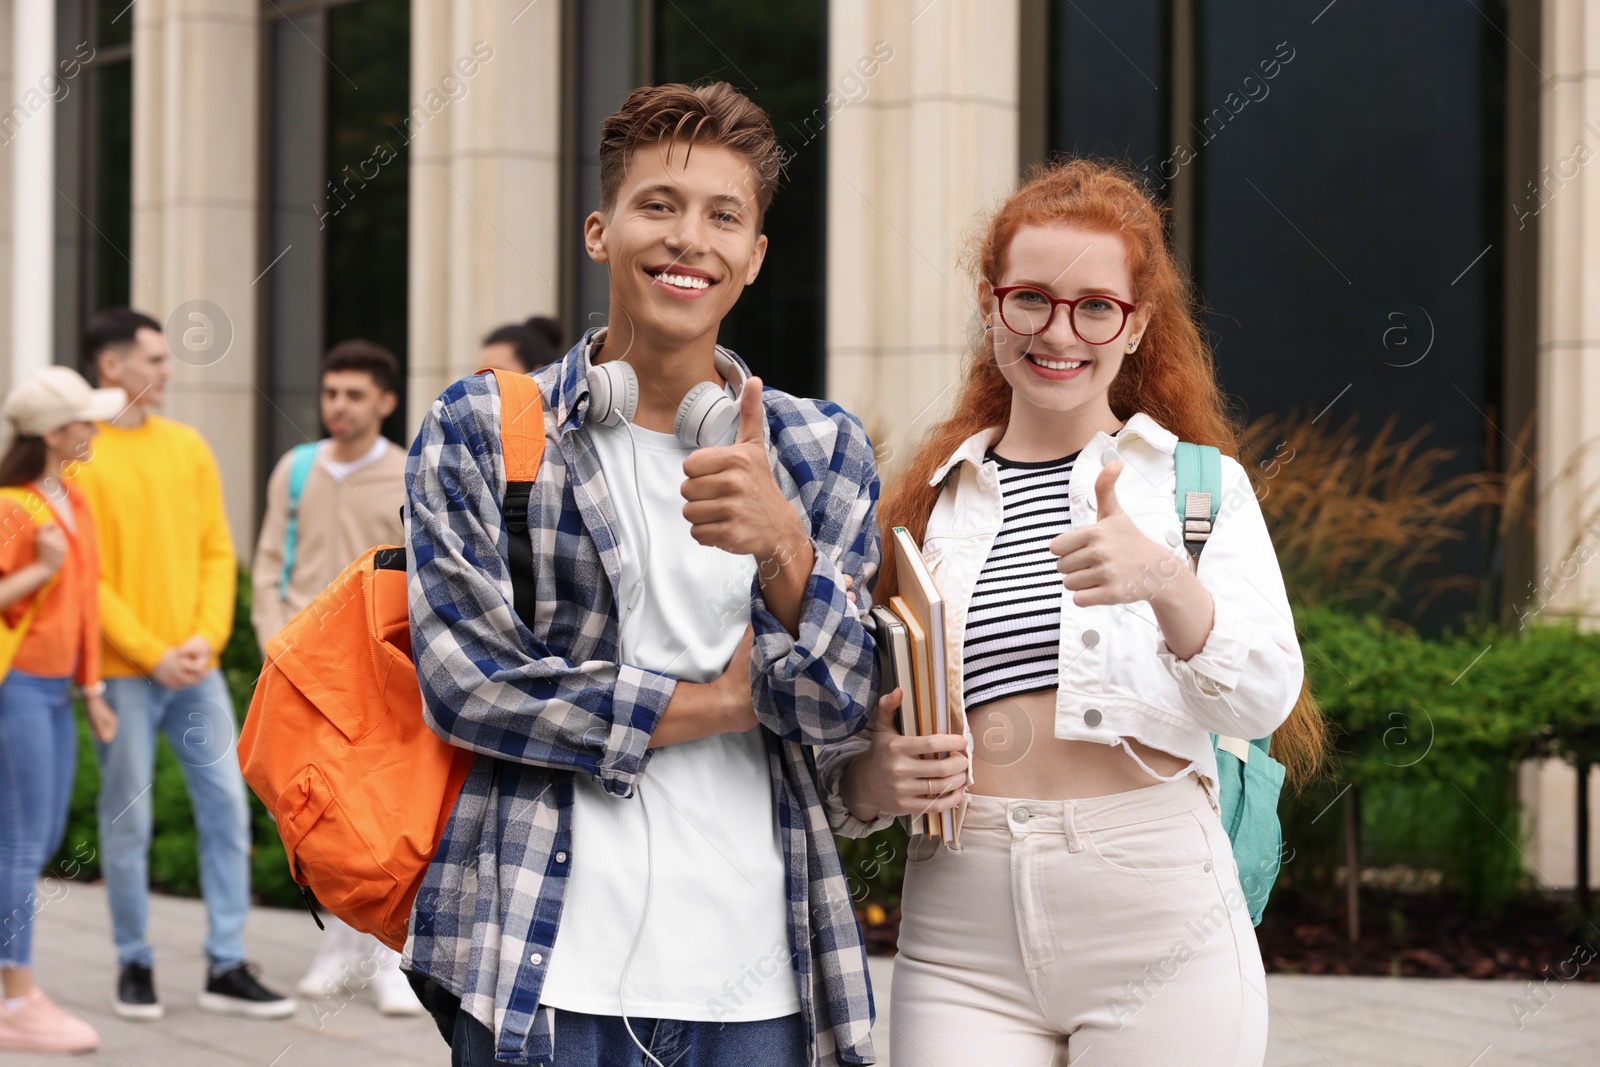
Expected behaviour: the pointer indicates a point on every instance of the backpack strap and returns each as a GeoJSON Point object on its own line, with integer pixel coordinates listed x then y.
{"type": "Point", "coordinates": [1198, 493]}
{"type": "Point", "coordinates": [522, 444]}
{"type": "Point", "coordinates": [302, 459]}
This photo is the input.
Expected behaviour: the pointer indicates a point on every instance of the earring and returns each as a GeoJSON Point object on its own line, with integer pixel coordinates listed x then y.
{"type": "Point", "coordinates": [1132, 345]}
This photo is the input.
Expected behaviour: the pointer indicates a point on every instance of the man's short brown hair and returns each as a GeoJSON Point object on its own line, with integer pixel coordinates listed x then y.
{"type": "Point", "coordinates": [716, 114]}
{"type": "Point", "coordinates": [359, 355]}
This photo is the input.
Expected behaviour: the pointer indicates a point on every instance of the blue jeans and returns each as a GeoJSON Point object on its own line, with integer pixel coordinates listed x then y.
{"type": "Point", "coordinates": [601, 1041]}
{"type": "Point", "coordinates": [38, 757]}
{"type": "Point", "coordinates": [200, 727]}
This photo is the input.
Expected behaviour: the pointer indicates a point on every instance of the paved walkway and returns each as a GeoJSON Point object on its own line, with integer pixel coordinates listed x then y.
{"type": "Point", "coordinates": [1316, 1022]}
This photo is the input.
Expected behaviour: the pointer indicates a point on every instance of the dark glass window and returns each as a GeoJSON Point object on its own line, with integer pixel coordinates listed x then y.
{"type": "Point", "coordinates": [776, 54]}
{"type": "Point", "coordinates": [1347, 213]}
{"type": "Point", "coordinates": [93, 98]}
{"type": "Point", "coordinates": [1344, 197]}
{"type": "Point", "coordinates": [337, 174]}
{"type": "Point", "coordinates": [1108, 80]}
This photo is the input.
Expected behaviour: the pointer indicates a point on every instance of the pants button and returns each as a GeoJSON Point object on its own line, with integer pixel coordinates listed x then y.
{"type": "Point", "coordinates": [1020, 814]}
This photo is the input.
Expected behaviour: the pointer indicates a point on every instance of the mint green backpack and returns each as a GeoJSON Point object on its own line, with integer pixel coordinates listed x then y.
{"type": "Point", "coordinates": [1249, 779]}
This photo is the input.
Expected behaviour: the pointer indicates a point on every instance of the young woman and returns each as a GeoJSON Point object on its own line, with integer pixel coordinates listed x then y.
{"type": "Point", "coordinates": [1093, 901]}
{"type": "Point", "coordinates": [49, 574]}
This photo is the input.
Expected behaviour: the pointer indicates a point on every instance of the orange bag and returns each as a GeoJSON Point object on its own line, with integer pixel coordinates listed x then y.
{"type": "Point", "coordinates": [335, 744]}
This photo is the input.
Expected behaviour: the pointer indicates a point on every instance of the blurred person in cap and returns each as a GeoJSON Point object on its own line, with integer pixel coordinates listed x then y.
{"type": "Point", "coordinates": [523, 347]}
{"type": "Point", "coordinates": [49, 571]}
{"type": "Point", "coordinates": [329, 501]}
{"type": "Point", "coordinates": [169, 578]}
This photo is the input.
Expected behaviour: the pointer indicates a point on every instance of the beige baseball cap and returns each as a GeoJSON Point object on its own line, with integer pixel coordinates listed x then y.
{"type": "Point", "coordinates": [50, 398]}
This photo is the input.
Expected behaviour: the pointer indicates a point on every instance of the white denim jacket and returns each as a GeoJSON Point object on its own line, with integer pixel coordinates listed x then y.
{"type": "Point", "coordinates": [1117, 677]}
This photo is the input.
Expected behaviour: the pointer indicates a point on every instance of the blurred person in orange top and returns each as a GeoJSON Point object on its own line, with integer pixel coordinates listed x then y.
{"type": "Point", "coordinates": [49, 574]}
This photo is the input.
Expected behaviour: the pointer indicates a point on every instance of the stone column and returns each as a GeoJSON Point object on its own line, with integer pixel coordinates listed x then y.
{"type": "Point", "coordinates": [1569, 314]}
{"type": "Point", "coordinates": [1566, 203]}
{"type": "Point", "coordinates": [913, 162]}
{"type": "Point", "coordinates": [27, 130]}
{"type": "Point", "coordinates": [7, 242]}
{"type": "Point", "coordinates": [196, 185]}
{"type": "Point", "coordinates": [485, 179]}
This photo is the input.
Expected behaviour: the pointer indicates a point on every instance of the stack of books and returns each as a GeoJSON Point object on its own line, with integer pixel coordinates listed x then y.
{"type": "Point", "coordinates": [910, 636]}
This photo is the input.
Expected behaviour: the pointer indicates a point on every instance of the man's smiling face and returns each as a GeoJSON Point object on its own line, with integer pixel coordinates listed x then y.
{"type": "Point", "coordinates": [682, 240]}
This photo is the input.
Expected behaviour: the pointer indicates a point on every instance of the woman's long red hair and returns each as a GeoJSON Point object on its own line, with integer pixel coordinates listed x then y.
{"type": "Point", "coordinates": [1171, 377]}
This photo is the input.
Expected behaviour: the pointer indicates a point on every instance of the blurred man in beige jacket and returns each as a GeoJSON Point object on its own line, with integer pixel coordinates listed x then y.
{"type": "Point", "coordinates": [349, 489]}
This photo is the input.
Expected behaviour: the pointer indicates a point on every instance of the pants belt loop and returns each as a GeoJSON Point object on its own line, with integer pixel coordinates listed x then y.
{"type": "Point", "coordinates": [1069, 813]}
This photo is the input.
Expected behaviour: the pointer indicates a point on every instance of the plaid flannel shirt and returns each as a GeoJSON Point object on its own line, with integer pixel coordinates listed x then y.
{"type": "Point", "coordinates": [544, 703]}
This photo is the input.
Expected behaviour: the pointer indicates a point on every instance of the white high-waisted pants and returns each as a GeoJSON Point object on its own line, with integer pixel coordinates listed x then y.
{"type": "Point", "coordinates": [1110, 931]}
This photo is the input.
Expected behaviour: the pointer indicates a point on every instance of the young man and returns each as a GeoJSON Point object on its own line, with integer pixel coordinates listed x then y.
{"type": "Point", "coordinates": [640, 851]}
{"type": "Point", "coordinates": [168, 576]}
{"type": "Point", "coordinates": [351, 487]}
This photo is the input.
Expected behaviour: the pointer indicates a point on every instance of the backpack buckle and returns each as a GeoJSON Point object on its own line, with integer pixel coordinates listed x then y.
{"type": "Point", "coordinates": [1196, 521]}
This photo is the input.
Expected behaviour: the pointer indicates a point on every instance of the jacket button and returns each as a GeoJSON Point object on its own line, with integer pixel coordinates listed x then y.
{"type": "Point", "coordinates": [1092, 717]}
{"type": "Point", "coordinates": [1091, 638]}
{"type": "Point", "coordinates": [1174, 538]}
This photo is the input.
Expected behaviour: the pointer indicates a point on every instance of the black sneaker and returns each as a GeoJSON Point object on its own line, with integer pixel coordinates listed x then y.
{"type": "Point", "coordinates": [235, 991]}
{"type": "Point", "coordinates": [135, 997]}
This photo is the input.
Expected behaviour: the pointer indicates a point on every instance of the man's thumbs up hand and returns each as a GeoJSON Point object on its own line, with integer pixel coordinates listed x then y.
{"type": "Point", "coordinates": [750, 414]}
{"type": "Point", "coordinates": [734, 502]}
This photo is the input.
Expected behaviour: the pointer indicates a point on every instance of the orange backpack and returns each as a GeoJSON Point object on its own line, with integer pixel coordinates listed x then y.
{"type": "Point", "coordinates": [335, 744]}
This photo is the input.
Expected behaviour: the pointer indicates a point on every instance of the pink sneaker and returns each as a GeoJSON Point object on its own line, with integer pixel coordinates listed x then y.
{"type": "Point", "coordinates": [38, 1025]}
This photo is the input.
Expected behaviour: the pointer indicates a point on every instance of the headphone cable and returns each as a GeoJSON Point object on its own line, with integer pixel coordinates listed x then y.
{"type": "Point", "coordinates": [649, 872]}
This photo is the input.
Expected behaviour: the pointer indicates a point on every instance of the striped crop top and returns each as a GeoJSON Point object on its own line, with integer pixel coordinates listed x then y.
{"type": "Point", "coordinates": [1014, 618]}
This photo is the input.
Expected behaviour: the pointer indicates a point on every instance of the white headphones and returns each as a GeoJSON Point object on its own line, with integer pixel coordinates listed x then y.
{"type": "Point", "coordinates": [707, 415]}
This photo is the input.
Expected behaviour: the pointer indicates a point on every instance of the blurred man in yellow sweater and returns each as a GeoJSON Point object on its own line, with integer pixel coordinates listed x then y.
{"type": "Point", "coordinates": [168, 579]}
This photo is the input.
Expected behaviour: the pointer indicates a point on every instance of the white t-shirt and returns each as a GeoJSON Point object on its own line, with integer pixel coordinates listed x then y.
{"type": "Point", "coordinates": [341, 471]}
{"type": "Point", "coordinates": [715, 945]}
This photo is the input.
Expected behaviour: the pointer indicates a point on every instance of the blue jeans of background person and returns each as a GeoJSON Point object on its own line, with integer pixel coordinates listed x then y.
{"type": "Point", "coordinates": [601, 1041]}
{"type": "Point", "coordinates": [200, 726]}
{"type": "Point", "coordinates": [38, 756]}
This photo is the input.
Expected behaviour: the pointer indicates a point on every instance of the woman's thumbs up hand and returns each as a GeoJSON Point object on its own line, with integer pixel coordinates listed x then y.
{"type": "Point", "coordinates": [1111, 561]}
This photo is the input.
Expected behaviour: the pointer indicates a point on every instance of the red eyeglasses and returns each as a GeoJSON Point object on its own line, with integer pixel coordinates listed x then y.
{"type": "Point", "coordinates": [1096, 319]}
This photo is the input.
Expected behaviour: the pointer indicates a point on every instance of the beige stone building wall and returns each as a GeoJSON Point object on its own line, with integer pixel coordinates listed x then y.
{"type": "Point", "coordinates": [196, 125]}
{"type": "Point", "coordinates": [7, 249]}
{"type": "Point", "coordinates": [911, 167]}
{"type": "Point", "coordinates": [1569, 395]}
{"type": "Point", "coordinates": [485, 183]}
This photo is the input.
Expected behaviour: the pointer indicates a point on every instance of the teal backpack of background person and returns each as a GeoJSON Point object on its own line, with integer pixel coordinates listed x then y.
{"type": "Point", "coordinates": [299, 470]}
{"type": "Point", "coordinates": [1249, 779]}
